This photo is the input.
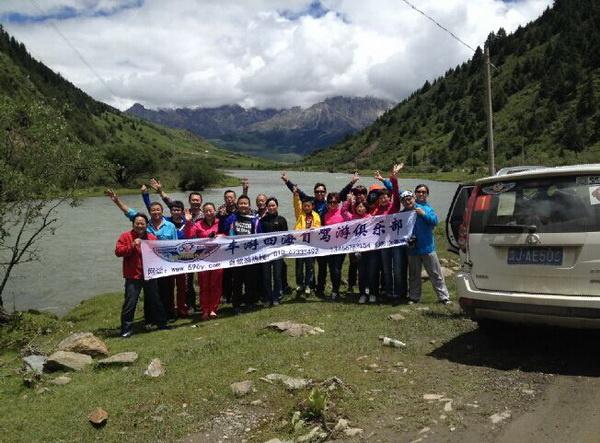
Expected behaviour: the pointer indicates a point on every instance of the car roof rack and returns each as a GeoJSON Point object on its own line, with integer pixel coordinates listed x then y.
{"type": "Point", "coordinates": [514, 169]}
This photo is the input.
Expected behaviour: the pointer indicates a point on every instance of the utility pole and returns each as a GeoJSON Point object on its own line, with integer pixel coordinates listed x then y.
{"type": "Point", "coordinates": [490, 115]}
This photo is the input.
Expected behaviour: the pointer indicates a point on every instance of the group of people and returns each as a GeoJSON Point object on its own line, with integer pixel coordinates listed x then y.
{"type": "Point", "coordinates": [392, 273]}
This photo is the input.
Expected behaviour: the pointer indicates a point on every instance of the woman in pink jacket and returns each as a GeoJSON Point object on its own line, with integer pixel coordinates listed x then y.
{"type": "Point", "coordinates": [354, 209]}
{"type": "Point", "coordinates": [334, 262]}
{"type": "Point", "coordinates": [210, 282]}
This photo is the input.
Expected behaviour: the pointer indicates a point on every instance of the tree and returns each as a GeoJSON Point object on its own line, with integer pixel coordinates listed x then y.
{"type": "Point", "coordinates": [571, 136]}
{"type": "Point", "coordinates": [39, 168]}
{"type": "Point", "coordinates": [586, 105]}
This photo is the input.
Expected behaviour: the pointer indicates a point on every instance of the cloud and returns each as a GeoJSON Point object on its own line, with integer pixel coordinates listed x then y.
{"type": "Point", "coordinates": [266, 53]}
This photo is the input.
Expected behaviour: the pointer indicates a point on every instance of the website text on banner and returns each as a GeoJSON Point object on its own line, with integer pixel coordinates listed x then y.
{"type": "Point", "coordinates": [171, 257]}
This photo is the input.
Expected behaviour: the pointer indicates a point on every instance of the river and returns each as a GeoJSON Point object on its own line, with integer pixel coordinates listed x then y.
{"type": "Point", "coordinates": [78, 261]}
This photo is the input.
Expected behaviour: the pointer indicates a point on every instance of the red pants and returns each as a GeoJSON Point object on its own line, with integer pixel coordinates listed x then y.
{"type": "Point", "coordinates": [181, 285]}
{"type": "Point", "coordinates": [211, 288]}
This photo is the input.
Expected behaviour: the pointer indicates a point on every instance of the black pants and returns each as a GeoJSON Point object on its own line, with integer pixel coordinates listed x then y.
{"type": "Point", "coordinates": [190, 293]}
{"type": "Point", "coordinates": [166, 290]}
{"type": "Point", "coordinates": [228, 283]}
{"type": "Point", "coordinates": [271, 277]}
{"type": "Point", "coordinates": [245, 285]}
{"type": "Point", "coordinates": [352, 270]}
{"type": "Point", "coordinates": [304, 272]}
{"type": "Point", "coordinates": [284, 280]}
{"type": "Point", "coordinates": [335, 271]}
{"type": "Point", "coordinates": [321, 274]}
{"type": "Point", "coordinates": [153, 308]}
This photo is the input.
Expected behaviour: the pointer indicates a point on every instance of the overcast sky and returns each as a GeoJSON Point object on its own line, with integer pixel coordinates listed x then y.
{"type": "Point", "coordinates": [264, 53]}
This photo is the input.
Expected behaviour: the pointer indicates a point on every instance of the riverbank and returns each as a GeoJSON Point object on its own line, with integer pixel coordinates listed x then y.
{"type": "Point", "coordinates": [449, 176]}
{"type": "Point", "coordinates": [169, 181]}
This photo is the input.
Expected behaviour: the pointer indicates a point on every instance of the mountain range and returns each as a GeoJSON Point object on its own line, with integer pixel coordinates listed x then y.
{"type": "Point", "coordinates": [545, 91]}
{"type": "Point", "coordinates": [279, 133]}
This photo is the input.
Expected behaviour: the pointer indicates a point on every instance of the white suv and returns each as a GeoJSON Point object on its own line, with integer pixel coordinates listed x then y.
{"type": "Point", "coordinates": [530, 246]}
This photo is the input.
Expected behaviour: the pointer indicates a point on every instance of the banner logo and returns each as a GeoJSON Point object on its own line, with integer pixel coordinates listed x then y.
{"type": "Point", "coordinates": [184, 252]}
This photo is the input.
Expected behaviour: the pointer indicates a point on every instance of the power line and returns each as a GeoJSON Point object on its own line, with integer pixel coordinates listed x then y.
{"type": "Point", "coordinates": [76, 51]}
{"type": "Point", "coordinates": [439, 25]}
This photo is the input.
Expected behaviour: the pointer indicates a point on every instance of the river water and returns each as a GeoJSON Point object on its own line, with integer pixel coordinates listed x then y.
{"type": "Point", "coordinates": [78, 262]}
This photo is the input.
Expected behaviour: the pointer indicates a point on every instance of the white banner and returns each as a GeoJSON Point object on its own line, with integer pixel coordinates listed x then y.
{"type": "Point", "coordinates": [170, 257]}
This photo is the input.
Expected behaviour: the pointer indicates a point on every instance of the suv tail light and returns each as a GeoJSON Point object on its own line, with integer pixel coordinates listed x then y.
{"type": "Point", "coordinates": [463, 230]}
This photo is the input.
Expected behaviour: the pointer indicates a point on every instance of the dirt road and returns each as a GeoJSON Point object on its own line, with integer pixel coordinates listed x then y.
{"type": "Point", "coordinates": [569, 410]}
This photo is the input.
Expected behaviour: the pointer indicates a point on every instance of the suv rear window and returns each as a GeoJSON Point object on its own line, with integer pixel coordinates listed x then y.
{"type": "Point", "coordinates": [548, 204]}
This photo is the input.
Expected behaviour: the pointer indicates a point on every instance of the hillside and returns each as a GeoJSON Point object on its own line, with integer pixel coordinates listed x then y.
{"type": "Point", "coordinates": [273, 133]}
{"type": "Point", "coordinates": [127, 148]}
{"type": "Point", "coordinates": [545, 99]}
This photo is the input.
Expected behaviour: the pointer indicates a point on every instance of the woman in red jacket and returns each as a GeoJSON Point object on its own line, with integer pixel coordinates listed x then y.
{"type": "Point", "coordinates": [210, 282]}
{"type": "Point", "coordinates": [129, 247]}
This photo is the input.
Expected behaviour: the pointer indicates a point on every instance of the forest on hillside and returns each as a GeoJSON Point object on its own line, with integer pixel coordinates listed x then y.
{"type": "Point", "coordinates": [545, 101]}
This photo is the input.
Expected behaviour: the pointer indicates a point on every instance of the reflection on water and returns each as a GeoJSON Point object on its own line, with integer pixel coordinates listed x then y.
{"type": "Point", "coordinates": [78, 262]}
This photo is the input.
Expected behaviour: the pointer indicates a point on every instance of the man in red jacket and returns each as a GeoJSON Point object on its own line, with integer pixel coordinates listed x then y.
{"type": "Point", "coordinates": [129, 247]}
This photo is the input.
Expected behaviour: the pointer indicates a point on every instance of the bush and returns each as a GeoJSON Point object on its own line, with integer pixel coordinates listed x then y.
{"type": "Point", "coordinates": [197, 174]}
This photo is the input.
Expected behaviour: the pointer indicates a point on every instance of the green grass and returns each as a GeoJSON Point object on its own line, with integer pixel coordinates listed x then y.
{"type": "Point", "coordinates": [203, 358]}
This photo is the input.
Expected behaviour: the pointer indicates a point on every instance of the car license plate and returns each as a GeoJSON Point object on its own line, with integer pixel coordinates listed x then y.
{"type": "Point", "coordinates": [537, 255]}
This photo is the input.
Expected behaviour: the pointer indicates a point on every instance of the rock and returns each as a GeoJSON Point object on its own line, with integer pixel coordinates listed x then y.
{"type": "Point", "coordinates": [296, 417]}
{"type": "Point", "coordinates": [447, 272]}
{"type": "Point", "coordinates": [333, 383]}
{"type": "Point", "coordinates": [434, 397]}
{"type": "Point", "coordinates": [500, 417]}
{"type": "Point", "coordinates": [62, 380]}
{"type": "Point", "coordinates": [352, 432]}
{"type": "Point", "coordinates": [448, 407]}
{"type": "Point", "coordinates": [251, 370]}
{"type": "Point", "coordinates": [73, 361]}
{"type": "Point", "coordinates": [98, 417]}
{"type": "Point", "coordinates": [295, 329]}
{"type": "Point", "coordinates": [43, 390]}
{"type": "Point", "coordinates": [425, 430]}
{"type": "Point", "coordinates": [123, 358]}
{"type": "Point", "coordinates": [316, 434]}
{"type": "Point", "coordinates": [155, 368]}
{"type": "Point", "coordinates": [256, 402]}
{"type": "Point", "coordinates": [35, 363]}
{"type": "Point", "coordinates": [32, 379]}
{"type": "Point", "coordinates": [528, 391]}
{"type": "Point", "coordinates": [341, 425]}
{"type": "Point", "coordinates": [83, 343]}
{"type": "Point", "coordinates": [396, 317]}
{"type": "Point", "coordinates": [290, 383]}
{"type": "Point", "coordinates": [241, 388]}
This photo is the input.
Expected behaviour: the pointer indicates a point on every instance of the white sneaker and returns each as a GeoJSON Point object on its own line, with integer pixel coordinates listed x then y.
{"type": "Point", "coordinates": [307, 291]}
{"type": "Point", "coordinates": [372, 299]}
{"type": "Point", "coordinates": [362, 299]}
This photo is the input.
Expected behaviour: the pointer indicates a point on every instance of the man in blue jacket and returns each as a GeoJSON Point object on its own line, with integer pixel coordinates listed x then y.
{"type": "Point", "coordinates": [422, 253]}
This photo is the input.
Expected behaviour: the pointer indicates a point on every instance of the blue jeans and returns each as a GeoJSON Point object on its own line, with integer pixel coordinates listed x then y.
{"type": "Point", "coordinates": [272, 281]}
{"type": "Point", "coordinates": [394, 262]}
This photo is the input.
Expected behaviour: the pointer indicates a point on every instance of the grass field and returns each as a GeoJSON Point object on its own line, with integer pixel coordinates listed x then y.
{"type": "Point", "coordinates": [383, 391]}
